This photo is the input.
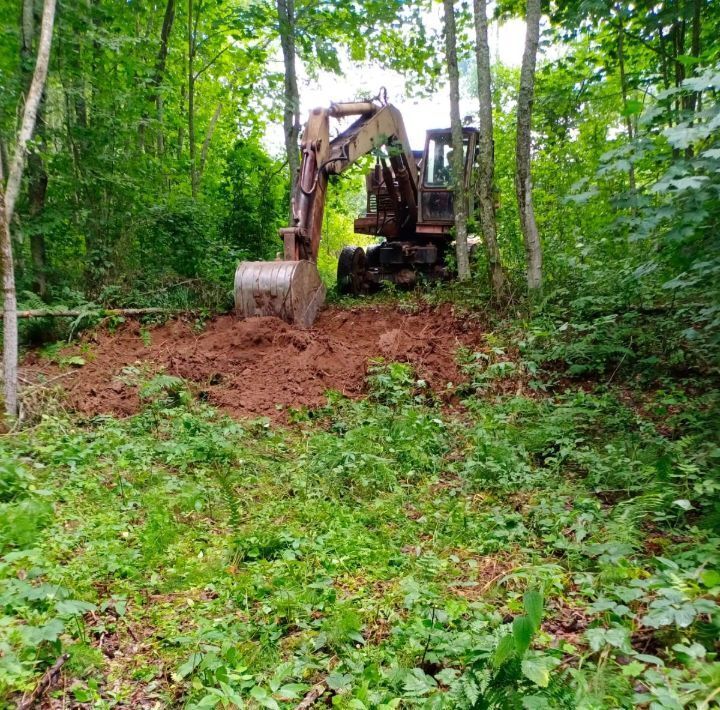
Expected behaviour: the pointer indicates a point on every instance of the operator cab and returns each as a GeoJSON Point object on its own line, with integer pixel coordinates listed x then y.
{"type": "Point", "coordinates": [436, 196]}
{"type": "Point", "coordinates": [435, 215]}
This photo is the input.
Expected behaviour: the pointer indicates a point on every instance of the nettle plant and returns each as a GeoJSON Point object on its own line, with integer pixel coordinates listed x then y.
{"type": "Point", "coordinates": [486, 369]}
{"type": "Point", "coordinates": [467, 657]}
{"type": "Point", "coordinates": [395, 383]}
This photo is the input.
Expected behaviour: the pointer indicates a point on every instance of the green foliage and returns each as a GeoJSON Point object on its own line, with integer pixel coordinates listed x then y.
{"type": "Point", "coordinates": [345, 200]}
{"type": "Point", "coordinates": [394, 383]}
{"type": "Point", "coordinates": [113, 145]}
{"type": "Point", "coordinates": [174, 239]}
{"type": "Point", "coordinates": [255, 194]}
{"type": "Point", "coordinates": [539, 551]}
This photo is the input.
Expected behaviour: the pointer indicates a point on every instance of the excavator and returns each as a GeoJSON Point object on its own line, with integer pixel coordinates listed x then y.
{"type": "Point", "coordinates": [409, 206]}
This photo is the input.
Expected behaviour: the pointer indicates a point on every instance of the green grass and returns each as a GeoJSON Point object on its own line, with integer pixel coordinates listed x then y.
{"type": "Point", "coordinates": [554, 551]}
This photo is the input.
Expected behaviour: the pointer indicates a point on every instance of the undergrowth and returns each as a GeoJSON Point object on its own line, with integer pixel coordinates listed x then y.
{"type": "Point", "coordinates": [538, 548]}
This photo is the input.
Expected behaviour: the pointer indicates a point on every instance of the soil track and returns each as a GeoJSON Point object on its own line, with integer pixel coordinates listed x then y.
{"type": "Point", "coordinates": [261, 366]}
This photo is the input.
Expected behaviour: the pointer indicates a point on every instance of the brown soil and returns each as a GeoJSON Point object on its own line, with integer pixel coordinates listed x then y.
{"type": "Point", "coordinates": [262, 366]}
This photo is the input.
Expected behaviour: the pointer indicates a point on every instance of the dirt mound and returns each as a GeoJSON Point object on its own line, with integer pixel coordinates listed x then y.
{"type": "Point", "coordinates": [261, 366]}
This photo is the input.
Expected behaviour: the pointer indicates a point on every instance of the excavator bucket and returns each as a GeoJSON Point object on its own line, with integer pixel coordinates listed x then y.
{"type": "Point", "coordinates": [291, 290]}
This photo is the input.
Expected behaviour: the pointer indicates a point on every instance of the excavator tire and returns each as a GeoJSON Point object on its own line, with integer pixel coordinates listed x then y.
{"type": "Point", "coordinates": [351, 271]}
{"type": "Point", "coordinates": [372, 256]}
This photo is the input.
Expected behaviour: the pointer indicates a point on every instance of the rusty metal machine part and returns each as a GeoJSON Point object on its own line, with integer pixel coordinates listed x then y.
{"type": "Point", "coordinates": [412, 212]}
{"type": "Point", "coordinates": [351, 270]}
{"type": "Point", "coordinates": [291, 290]}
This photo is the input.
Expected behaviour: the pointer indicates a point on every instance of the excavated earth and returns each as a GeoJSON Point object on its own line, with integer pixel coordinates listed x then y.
{"type": "Point", "coordinates": [261, 366]}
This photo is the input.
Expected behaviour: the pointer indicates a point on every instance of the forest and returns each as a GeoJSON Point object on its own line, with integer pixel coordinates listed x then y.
{"type": "Point", "coordinates": [308, 408]}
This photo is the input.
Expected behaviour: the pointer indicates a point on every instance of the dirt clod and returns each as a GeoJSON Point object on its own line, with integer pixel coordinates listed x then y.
{"type": "Point", "coordinates": [262, 366]}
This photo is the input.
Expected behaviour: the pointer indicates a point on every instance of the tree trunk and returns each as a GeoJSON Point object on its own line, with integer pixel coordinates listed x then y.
{"type": "Point", "coordinates": [26, 36]}
{"type": "Point", "coordinates": [4, 159]}
{"type": "Point", "coordinates": [291, 111]}
{"type": "Point", "coordinates": [30, 111]}
{"type": "Point", "coordinates": [458, 163]}
{"type": "Point", "coordinates": [487, 152]}
{"type": "Point", "coordinates": [37, 189]}
{"type": "Point", "coordinates": [523, 149]}
{"type": "Point", "coordinates": [7, 208]}
{"type": "Point", "coordinates": [160, 62]}
{"type": "Point", "coordinates": [191, 100]}
{"type": "Point", "coordinates": [677, 47]}
{"type": "Point", "coordinates": [208, 138]}
{"type": "Point", "coordinates": [181, 125]}
{"type": "Point", "coordinates": [624, 92]}
{"type": "Point", "coordinates": [37, 175]}
{"type": "Point", "coordinates": [103, 312]}
{"type": "Point", "coordinates": [695, 42]}
{"type": "Point", "coordinates": [10, 329]}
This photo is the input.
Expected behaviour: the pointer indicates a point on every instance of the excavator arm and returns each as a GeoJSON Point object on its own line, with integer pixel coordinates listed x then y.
{"type": "Point", "coordinates": [377, 126]}
{"type": "Point", "coordinates": [292, 289]}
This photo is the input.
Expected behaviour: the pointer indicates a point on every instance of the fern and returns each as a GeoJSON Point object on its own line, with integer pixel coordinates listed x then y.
{"type": "Point", "coordinates": [630, 515]}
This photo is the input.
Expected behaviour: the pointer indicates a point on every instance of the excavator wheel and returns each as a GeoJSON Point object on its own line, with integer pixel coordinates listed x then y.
{"type": "Point", "coordinates": [372, 256]}
{"type": "Point", "coordinates": [351, 271]}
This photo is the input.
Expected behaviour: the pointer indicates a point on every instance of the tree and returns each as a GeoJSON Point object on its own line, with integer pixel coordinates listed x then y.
{"type": "Point", "coordinates": [192, 23]}
{"type": "Point", "coordinates": [523, 149]}
{"type": "Point", "coordinates": [8, 200]}
{"type": "Point", "coordinates": [37, 174]}
{"type": "Point", "coordinates": [457, 167]}
{"type": "Point", "coordinates": [291, 96]}
{"type": "Point", "coordinates": [486, 155]}
{"type": "Point", "coordinates": [160, 63]}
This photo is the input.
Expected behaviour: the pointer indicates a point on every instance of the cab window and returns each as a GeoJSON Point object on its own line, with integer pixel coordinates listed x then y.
{"type": "Point", "coordinates": [439, 160]}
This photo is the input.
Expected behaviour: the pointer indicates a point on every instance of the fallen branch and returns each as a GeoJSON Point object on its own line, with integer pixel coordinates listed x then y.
{"type": "Point", "coordinates": [313, 696]}
{"type": "Point", "coordinates": [42, 383]}
{"type": "Point", "coordinates": [45, 682]}
{"type": "Point", "coordinates": [102, 312]}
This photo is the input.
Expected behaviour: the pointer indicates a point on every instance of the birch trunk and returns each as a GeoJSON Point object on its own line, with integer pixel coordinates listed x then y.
{"type": "Point", "coordinates": [523, 148]}
{"type": "Point", "coordinates": [291, 112]}
{"type": "Point", "coordinates": [32, 103]}
{"type": "Point", "coordinates": [10, 329]}
{"type": "Point", "coordinates": [37, 174]}
{"type": "Point", "coordinates": [486, 156]}
{"type": "Point", "coordinates": [7, 208]}
{"type": "Point", "coordinates": [457, 167]}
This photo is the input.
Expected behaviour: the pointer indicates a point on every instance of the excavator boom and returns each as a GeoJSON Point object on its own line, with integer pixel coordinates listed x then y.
{"type": "Point", "coordinates": [292, 289]}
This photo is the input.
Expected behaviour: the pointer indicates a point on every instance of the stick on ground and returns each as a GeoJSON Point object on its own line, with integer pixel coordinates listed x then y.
{"type": "Point", "coordinates": [313, 696]}
{"type": "Point", "coordinates": [46, 313]}
{"type": "Point", "coordinates": [45, 682]}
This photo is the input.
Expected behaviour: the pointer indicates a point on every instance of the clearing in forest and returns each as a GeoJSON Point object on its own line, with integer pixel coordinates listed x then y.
{"type": "Point", "coordinates": [260, 366]}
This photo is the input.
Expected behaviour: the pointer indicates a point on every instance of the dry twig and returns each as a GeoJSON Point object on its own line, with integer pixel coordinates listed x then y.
{"type": "Point", "coordinates": [313, 695]}
{"type": "Point", "coordinates": [46, 681]}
